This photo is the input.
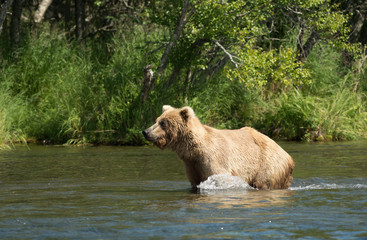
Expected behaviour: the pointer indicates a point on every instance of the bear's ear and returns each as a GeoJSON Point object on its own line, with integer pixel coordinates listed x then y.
{"type": "Point", "coordinates": [166, 107]}
{"type": "Point", "coordinates": [186, 113]}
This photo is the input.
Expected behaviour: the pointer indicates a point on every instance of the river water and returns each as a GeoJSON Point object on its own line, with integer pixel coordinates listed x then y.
{"type": "Point", "coordinates": [50, 192]}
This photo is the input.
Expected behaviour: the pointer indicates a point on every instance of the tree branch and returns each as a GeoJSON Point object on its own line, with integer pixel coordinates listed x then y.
{"type": "Point", "coordinates": [175, 36]}
{"type": "Point", "coordinates": [164, 59]}
{"type": "Point", "coordinates": [229, 54]}
{"type": "Point", "coordinates": [157, 49]}
{"type": "Point", "coordinates": [42, 8]}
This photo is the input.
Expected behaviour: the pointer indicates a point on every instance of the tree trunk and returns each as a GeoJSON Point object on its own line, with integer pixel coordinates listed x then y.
{"type": "Point", "coordinates": [15, 23]}
{"type": "Point", "coordinates": [42, 8]}
{"type": "Point", "coordinates": [221, 62]}
{"type": "Point", "coordinates": [357, 9]}
{"type": "Point", "coordinates": [147, 85]}
{"type": "Point", "coordinates": [175, 73]}
{"type": "Point", "coordinates": [67, 14]}
{"type": "Point", "coordinates": [305, 50]}
{"type": "Point", "coordinates": [80, 19]}
{"type": "Point", "coordinates": [147, 82]}
{"type": "Point", "coordinates": [300, 36]}
{"type": "Point", "coordinates": [4, 8]}
{"type": "Point", "coordinates": [175, 36]}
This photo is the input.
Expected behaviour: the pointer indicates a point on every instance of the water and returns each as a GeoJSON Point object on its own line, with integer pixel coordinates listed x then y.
{"type": "Point", "coordinates": [142, 193]}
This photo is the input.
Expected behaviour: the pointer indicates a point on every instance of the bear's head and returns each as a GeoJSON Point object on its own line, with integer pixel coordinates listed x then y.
{"type": "Point", "coordinates": [170, 127]}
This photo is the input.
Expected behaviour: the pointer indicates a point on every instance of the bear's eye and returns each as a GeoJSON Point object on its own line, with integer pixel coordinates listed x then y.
{"type": "Point", "coordinates": [163, 123]}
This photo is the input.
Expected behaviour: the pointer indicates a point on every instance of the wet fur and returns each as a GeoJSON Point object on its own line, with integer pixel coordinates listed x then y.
{"type": "Point", "coordinates": [206, 151]}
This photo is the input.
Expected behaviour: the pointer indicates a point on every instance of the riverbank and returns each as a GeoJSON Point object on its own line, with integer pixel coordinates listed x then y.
{"type": "Point", "coordinates": [54, 92]}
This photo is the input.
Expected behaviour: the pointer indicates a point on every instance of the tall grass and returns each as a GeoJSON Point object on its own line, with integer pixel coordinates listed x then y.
{"type": "Point", "coordinates": [222, 103]}
{"type": "Point", "coordinates": [54, 90]}
{"type": "Point", "coordinates": [47, 76]}
{"type": "Point", "coordinates": [296, 116]}
{"type": "Point", "coordinates": [74, 94]}
{"type": "Point", "coordinates": [327, 109]}
{"type": "Point", "coordinates": [11, 113]}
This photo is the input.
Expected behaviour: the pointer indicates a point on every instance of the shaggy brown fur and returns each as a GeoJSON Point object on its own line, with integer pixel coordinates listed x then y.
{"type": "Point", "coordinates": [206, 151]}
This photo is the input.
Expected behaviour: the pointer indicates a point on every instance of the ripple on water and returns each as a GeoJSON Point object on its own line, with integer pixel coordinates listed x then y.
{"type": "Point", "coordinates": [220, 182]}
{"type": "Point", "coordinates": [329, 186]}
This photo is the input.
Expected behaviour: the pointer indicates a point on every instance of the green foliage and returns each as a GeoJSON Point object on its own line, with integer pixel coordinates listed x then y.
{"type": "Point", "coordinates": [275, 68]}
{"type": "Point", "coordinates": [294, 116]}
{"type": "Point", "coordinates": [11, 113]}
{"type": "Point", "coordinates": [227, 104]}
{"type": "Point", "coordinates": [61, 94]}
{"type": "Point", "coordinates": [326, 109]}
{"type": "Point", "coordinates": [244, 30]}
{"type": "Point", "coordinates": [235, 62]}
{"type": "Point", "coordinates": [327, 68]}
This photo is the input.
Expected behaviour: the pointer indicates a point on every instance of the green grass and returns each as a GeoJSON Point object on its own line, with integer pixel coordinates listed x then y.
{"type": "Point", "coordinates": [326, 109]}
{"type": "Point", "coordinates": [59, 92]}
{"type": "Point", "coordinates": [53, 90]}
{"type": "Point", "coordinates": [11, 114]}
{"type": "Point", "coordinates": [295, 116]}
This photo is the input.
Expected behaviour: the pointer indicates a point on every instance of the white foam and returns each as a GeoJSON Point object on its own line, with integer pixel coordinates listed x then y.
{"type": "Point", "coordinates": [329, 186]}
{"type": "Point", "coordinates": [224, 182]}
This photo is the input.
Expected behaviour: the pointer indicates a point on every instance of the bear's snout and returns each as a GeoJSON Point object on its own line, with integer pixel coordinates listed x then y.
{"type": "Point", "coordinates": [145, 134]}
{"type": "Point", "coordinates": [156, 135]}
{"type": "Point", "coordinates": [149, 135]}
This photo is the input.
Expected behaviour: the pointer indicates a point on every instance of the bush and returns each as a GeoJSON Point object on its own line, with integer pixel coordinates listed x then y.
{"type": "Point", "coordinates": [56, 91]}
{"type": "Point", "coordinates": [295, 116]}
{"type": "Point", "coordinates": [222, 103]}
{"type": "Point", "coordinates": [64, 93]}
{"type": "Point", "coordinates": [326, 109]}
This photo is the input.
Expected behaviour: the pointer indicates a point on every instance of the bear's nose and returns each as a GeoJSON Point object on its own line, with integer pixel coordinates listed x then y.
{"type": "Point", "coordinates": [145, 133]}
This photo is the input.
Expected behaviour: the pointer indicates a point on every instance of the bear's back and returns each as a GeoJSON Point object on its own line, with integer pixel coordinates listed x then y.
{"type": "Point", "coordinates": [251, 155]}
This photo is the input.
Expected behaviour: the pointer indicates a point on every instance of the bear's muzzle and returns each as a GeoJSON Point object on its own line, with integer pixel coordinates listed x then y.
{"type": "Point", "coordinates": [147, 133]}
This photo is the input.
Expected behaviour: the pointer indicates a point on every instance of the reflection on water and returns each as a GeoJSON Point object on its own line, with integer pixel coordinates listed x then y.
{"type": "Point", "coordinates": [243, 198]}
{"type": "Point", "coordinates": [142, 193]}
{"type": "Point", "coordinates": [227, 191]}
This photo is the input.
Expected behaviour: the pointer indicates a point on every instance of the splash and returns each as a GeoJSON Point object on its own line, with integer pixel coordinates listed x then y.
{"type": "Point", "coordinates": [224, 182]}
{"type": "Point", "coordinates": [328, 186]}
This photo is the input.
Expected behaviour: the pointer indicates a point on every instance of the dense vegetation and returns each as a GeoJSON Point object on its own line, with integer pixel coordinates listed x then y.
{"type": "Point", "coordinates": [100, 71]}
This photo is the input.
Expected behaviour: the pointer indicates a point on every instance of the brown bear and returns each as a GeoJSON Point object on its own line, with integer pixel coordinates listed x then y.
{"type": "Point", "coordinates": [206, 151]}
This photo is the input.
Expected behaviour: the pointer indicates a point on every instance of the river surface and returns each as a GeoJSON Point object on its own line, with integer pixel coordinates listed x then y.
{"type": "Point", "coordinates": [50, 192]}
